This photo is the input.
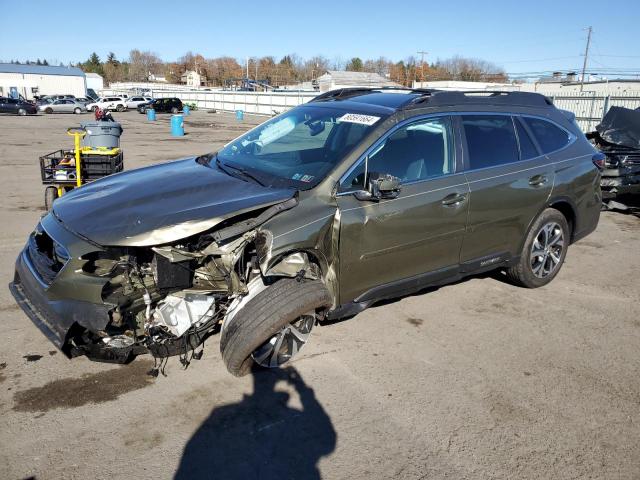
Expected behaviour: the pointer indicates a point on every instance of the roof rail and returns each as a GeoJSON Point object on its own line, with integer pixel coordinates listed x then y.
{"type": "Point", "coordinates": [480, 97]}
{"type": "Point", "coordinates": [342, 93]}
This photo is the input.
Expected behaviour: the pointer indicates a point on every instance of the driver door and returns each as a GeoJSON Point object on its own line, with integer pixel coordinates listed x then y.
{"type": "Point", "coordinates": [393, 245]}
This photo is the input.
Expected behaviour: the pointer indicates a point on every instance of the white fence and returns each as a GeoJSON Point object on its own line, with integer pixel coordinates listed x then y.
{"type": "Point", "coordinates": [588, 107]}
{"type": "Point", "coordinates": [260, 103]}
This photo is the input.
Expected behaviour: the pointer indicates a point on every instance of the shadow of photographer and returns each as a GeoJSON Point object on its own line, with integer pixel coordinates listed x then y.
{"type": "Point", "coordinates": [262, 436]}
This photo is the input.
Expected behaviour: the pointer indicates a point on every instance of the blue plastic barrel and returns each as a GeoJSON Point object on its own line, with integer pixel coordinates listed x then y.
{"type": "Point", "coordinates": [177, 125]}
{"type": "Point", "coordinates": [151, 114]}
{"type": "Point", "coordinates": [186, 110]}
{"type": "Point", "coordinates": [239, 115]}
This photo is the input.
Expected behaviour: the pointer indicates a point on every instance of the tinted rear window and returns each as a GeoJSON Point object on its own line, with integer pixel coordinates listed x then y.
{"type": "Point", "coordinates": [491, 140]}
{"type": "Point", "coordinates": [549, 136]}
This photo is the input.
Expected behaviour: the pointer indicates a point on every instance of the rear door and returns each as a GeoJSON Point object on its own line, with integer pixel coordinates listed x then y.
{"type": "Point", "coordinates": [388, 246]}
{"type": "Point", "coordinates": [509, 181]}
{"type": "Point", "coordinates": [12, 105]}
{"type": "Point", "coordinates": [3, 105]}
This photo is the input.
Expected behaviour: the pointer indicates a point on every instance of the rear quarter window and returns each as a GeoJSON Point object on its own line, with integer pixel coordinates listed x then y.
{"type": "Point", "coordinates": [491, 140]}
{"type": "Point", "coordinates": [550, 137]}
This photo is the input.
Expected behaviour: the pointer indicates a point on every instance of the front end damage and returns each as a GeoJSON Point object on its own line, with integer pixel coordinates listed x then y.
{"type": "Point", "coordinates": [114, 303]}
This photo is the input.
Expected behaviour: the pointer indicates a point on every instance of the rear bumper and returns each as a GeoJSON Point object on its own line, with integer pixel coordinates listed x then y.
{"type": "Point", "coordinates": [55, 317]}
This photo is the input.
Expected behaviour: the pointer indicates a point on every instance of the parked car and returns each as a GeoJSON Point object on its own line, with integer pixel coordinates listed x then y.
{"type": "Point", "coordinates": [109, 103]}
{"type": "Point", "coordinates": [135, 101]}
{"type": "Point", "coordinates": [162, 105]}
{"type": "Point", "coordinates": [86, 101]}
{"type": "Point", "coordinates": [66, 105]}
{"type": "Point", "coordinates": [355, 197]}
{"type": "Point", "coordinates": [57, 97]}
{"type": "Point", "coordinates": [17, 106]}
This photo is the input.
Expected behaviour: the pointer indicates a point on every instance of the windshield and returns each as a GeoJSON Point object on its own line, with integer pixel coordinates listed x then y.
{"type": "Point", "coordinates": [298, 148]}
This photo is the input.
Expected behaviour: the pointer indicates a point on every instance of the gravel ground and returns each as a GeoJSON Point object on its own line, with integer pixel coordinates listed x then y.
{"type": "Point", "coordinates": [477, 380]}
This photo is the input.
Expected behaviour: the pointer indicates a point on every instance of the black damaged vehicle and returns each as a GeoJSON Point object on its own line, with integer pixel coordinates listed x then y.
{"type": "Point", "coordinates": [360, 195]}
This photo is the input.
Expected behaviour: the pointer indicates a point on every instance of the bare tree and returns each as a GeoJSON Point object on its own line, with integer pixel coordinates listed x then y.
{"type": "Point", "coordinates": [141, 64]}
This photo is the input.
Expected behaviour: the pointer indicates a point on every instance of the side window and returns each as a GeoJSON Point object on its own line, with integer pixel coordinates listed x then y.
{"type": "Point", "coordinates": [418, 151]}
{"type": "Point", "coordinates": [491, 140]}
{"type": "Point", "coordinates": [549, 136]}
{"type": "Point", "coordinates": [527, 148]}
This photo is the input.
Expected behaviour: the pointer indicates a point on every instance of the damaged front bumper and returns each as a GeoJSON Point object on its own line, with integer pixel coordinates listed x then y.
{"type": "Point", "coordinates": [113, 303]}
{"type": "Point", "coordinates": [54, 317]}
{"type": "Point", "coordinates": [47, 286]}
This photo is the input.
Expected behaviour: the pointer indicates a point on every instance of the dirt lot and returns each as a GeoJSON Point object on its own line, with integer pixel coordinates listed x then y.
{"type": "Point", "coordinates": [475, 380]}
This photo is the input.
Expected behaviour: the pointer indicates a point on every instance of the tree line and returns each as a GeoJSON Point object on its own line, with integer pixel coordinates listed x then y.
{"type": "Point", "coordinates": [141, 66]}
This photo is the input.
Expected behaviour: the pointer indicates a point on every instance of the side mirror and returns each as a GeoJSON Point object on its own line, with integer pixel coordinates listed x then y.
{"type": "Point", "coordinates": [382, 186]}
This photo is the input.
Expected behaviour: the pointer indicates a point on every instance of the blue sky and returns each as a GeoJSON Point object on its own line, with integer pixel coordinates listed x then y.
{"type": "Point", "coordinates": [518, 36]}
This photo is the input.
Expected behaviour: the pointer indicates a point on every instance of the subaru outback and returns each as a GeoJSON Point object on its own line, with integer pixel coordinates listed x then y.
{"type": "Point", "coordinates": [360, 195]}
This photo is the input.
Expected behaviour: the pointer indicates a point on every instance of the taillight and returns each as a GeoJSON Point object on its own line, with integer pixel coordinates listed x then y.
{"type": "Point", "coordinates": [598, 160]}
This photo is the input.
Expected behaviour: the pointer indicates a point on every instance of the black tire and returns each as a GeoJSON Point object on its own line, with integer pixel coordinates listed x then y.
{"type": "Point", "coordinates": [174, 110]}
{"type": "Point", "coordinates": [522, 273]}
{"type": "Point", "coordinates": [22, 112]}
{"type": "Point", "coordinates": [120, 108]}
{"type": "Point", "coordinates": [48, 110]}
{"type": "Point", "coordinates": [266, 314]}
{"type": "Point", "coordinates": [77, 111]}
{"type": "Point", "coordinates": [50, 194]}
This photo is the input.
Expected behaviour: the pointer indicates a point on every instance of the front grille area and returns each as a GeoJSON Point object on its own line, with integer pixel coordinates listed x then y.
{"type": "Point", "coordinates": [47, 257]}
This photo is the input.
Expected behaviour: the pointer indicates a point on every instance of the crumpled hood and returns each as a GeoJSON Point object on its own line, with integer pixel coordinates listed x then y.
{"type": "Point", "coordinates": [160, 204]}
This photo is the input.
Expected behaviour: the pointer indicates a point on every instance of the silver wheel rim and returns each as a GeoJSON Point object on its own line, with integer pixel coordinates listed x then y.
{"type": "Point", "coordinates": [285, 344]}
{"type": "Point", "coordinates": [546, 251]}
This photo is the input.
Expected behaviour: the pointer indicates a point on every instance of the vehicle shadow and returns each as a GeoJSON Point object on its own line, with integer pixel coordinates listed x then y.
{"type": "Point", "coordinates": [262, 436]}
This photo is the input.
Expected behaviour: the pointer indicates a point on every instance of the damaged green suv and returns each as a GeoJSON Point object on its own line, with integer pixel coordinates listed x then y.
{"type": "Point", "coordinates": [357, 196]}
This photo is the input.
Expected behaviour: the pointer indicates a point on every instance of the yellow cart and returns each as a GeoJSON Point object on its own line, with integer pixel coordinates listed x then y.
{"type": "Point", "coordinates": [64, 170]}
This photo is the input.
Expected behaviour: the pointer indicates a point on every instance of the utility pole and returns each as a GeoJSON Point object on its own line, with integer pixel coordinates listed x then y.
{"type": "Point", "coordinates": [422, 53]}
{"type": "Point", "coordinates": [586, 56]}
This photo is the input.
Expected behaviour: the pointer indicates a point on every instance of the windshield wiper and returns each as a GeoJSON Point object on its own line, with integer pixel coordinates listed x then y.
{"type": "Point", "coordinates": [242, 171]}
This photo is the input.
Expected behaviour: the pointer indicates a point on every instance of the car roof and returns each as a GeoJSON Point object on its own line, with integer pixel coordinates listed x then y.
{"type": "Point", "coordinates": [394, 99]}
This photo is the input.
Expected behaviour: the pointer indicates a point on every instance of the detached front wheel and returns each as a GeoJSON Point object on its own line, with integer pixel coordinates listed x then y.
{"type": "Point", "coordinates": [272, 327]}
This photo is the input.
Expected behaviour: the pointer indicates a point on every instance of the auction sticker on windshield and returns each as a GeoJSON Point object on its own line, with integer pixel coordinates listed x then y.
{"type": "Point", "coordinates": [358, 118]}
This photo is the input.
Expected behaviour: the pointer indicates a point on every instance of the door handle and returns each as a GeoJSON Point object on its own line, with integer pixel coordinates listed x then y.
{"type": "Point", "coordinates": [453, 200]}
{"type": "Point", "coordinates": [538, 180]}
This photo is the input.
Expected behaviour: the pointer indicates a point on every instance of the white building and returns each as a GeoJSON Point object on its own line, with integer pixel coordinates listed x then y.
{"type": "Point", "coordinates": [598, 87]}
{"type": "Point", "coordinates": [94, 81]}
{"type": "Point", "coordinates": [157, 78]}
{"type": "Point", "coordinates": [34, 80]}
{"type": "Point", "coordinates": [192, 78]}
{"type": "Point", "coordinates": [333, 79]}
{"type": "Point", "coordinates": [466, 86]}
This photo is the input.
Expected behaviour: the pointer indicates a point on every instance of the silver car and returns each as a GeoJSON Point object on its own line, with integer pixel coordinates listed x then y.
{"type": "Point", "coordinates": [66, 105]}
{"type": "Point", "coordinates": [134, 101]}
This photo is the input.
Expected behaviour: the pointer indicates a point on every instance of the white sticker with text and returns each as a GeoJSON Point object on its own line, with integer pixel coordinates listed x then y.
{"type": "Point", "coordinates": [358, 118]}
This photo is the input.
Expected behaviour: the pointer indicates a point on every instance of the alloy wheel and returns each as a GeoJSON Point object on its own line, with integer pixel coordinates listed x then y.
{"type": "Point", "coordinates": [285, 344]}
{"type": "Point", "coordinates": [547, 250]}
